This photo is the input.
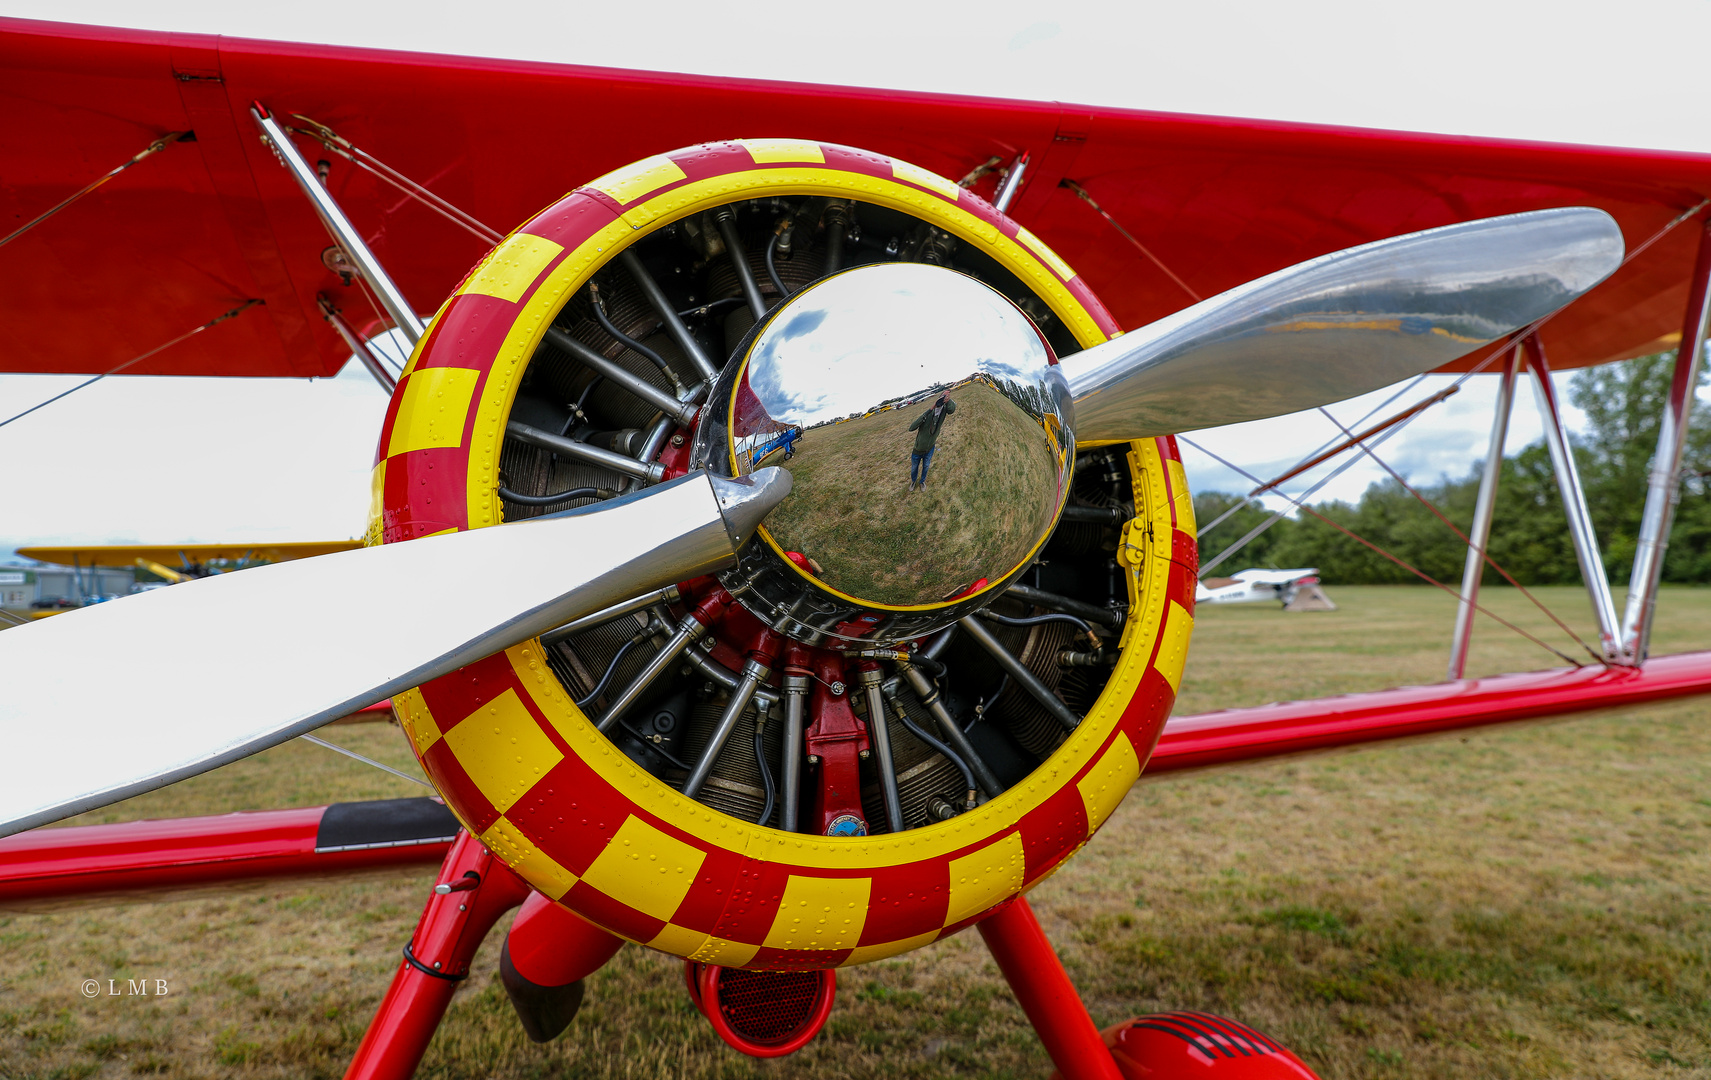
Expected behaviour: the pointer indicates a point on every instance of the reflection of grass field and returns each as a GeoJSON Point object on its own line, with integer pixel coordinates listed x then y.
{"type": "Point", "coordinates": [989, 494]}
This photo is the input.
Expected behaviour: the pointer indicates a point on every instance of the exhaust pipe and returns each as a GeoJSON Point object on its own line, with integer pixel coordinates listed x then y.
{"type": "Point", "coordinates": [765, 1014]}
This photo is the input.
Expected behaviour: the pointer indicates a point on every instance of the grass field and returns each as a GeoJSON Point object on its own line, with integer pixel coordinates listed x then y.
{"type": "Point", "coordinates": [990, 493]}
{"type": "Point", "coordinates": [1527, 902]}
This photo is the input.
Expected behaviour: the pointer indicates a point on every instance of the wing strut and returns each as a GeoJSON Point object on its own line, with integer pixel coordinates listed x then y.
{"type": "Point", "coordinates": [1664, 489]}
{"type": "Point", "coordinates": [1479, 533]}
{"type": "Point", "coordinates": [333, 216]}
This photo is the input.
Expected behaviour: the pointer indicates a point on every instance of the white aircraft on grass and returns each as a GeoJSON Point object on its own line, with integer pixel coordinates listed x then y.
{"type": "Point", "coordinates": [1251, 586]}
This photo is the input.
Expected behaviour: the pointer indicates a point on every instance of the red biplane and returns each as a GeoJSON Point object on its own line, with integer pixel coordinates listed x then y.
{"type": "Point", "coordinates": [775, 730]}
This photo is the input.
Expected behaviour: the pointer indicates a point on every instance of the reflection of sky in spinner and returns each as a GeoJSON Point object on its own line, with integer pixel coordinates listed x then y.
{"type": "Point", "coordinates": [880, 332]}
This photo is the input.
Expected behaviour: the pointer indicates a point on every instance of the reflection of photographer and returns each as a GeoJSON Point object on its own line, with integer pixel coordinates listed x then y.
{"type": "Point", "coordinates": [926, 428]}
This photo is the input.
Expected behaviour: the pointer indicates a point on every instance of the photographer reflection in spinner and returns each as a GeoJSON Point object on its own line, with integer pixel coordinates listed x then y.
{"type": "Point", "coordinates": [926, 428]}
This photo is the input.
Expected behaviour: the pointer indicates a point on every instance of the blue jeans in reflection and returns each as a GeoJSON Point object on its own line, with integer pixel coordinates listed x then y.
{"type": "Point", "coordinates": [918, 466]}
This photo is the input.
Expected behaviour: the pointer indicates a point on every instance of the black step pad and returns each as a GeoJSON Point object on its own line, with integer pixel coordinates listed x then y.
{"type": "Point", "coordinates": [384, 823]}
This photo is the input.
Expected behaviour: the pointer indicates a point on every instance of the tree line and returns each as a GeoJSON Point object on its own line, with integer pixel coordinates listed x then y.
{"type": "Point", "coordinates": [1529, 534]}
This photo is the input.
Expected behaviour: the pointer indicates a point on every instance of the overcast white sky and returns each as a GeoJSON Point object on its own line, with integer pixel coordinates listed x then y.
{"type": "Point", "coordinates": [161, 460]}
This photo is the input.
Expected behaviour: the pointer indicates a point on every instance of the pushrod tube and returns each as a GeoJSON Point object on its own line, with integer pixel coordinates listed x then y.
{"type": "Point", "coordinates": [1012, 183]}
{"type": "Point", "coordinates": [879, 734]}
{"type": "Point", "coordinates": [649, 472]}
{"type": "Point", "coordinates": [682, 412]}
{"type": "Point", "coordinates": [1574, 506]}
{"type": "Point", "coordinates": [1019, 671]}
{"type": "Point", "coordinates": [651, 445]}
{"type": "Point", "coordinates": [1480, 533]}
{"type": "Point", "coordinates": [698, 659]}
{"type": "Point", "coordinates": [754, 673]}
{"type": "Point", "coordinates": [668, 314]}
{"type": "Point", "coordinates": [689, 630]}
{"type": "Point", "coordinates": [953, 733]}
{"type": "Point", "coordinates": [391, 298]}
{"type": "Point", "coordinates": [795, 709]}
{"type": "Point", "coordinates": [727, 223]}
{"type": "Point", "coordinates": [837, 230]}
{"type": "Point", "coordinates": [667, 595]}
{"type": "Point", "coordinates": [1663, 489]}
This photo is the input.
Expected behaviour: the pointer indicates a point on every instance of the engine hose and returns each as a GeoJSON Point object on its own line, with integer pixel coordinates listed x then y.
{"type": "Point", "coordinates": [611, 669]}
{"type": "Point", "coordinates": [981, 708]}
{"type": "Point", "coordinates": [624, 339]}
{"type": "Point", "coordinates": [555, 497]}
{"type": "Point", "coordinates": [652, 745]}
{"type": "Point", "coordinates": [935, 648]}
{"type": "Point", "coordinates": [582, 399]}
{"type": "Point", "coordinates": [919, 659]}
{"type": "Point", "coordinates": [765, 776]}
{"type": "Point", "coordinates": [709, 307]}
{"type": "Point", "coordinates": [902, 714]}
{"type": "Point", "coordinates": [772, 268]}
{"type": "Point", "coordinates": [725, 677]}
{"type": "Point", "coordinates": [837, 229]}
{"type": "Point", "coordinates": [928, 664]}
{"type": "Point", "coordinates": [1035, 620]}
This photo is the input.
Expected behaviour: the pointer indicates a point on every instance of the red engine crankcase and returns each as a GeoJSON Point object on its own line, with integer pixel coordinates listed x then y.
{"type": "Point", "coordinates": [835, 739]}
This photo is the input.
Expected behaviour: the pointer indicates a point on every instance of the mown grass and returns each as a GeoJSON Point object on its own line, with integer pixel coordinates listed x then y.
{"type": "Point", "coordinates": [1525, 902]}
{"type": "Point", "coordinates": [990, 493]}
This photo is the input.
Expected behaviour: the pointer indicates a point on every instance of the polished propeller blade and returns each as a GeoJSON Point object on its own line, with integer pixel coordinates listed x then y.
{"type": "Point", "coordinates": [1340, 325]}
{"type": "Point", "coordinates": [111, 701]}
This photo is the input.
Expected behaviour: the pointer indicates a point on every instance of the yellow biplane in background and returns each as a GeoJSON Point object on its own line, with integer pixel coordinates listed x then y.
{"type": "Point", "coordinates": [81, 575]}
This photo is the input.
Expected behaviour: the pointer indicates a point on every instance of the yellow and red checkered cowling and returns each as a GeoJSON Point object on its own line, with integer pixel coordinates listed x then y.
{"type": "Point", "coordinates": [525, 771]}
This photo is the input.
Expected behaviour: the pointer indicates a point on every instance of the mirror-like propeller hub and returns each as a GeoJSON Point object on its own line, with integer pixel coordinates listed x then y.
{"type": "Point", "coordinates": [930, 437]}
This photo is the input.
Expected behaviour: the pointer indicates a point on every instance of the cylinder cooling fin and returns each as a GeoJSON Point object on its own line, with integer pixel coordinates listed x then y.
{"type": "Point", "coordinates": [553, 371]}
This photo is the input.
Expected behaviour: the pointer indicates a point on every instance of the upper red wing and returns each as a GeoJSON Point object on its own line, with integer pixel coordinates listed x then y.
{"type": "Point", "coordinates": [203, 226]}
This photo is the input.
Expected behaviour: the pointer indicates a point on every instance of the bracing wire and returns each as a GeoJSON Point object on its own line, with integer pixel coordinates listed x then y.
{"type": "Point", "coordinates": [148, 151]}
{"type": "Point", "coordinates": [135, 360]}
{"type": "Point", "coordinates": [1312, 455]}
{"type": "Point", "coordinates": [366, 760]}
{"type": "Point", "coordinates": [1081, 193]}
{"type": "Point", "coordinates": [1483, 553]}
{"type": "Point", "coordinates": [1404, 419]}
{"type": "Point", "coordinates": [366, 161]}
{"type": "Point", "coordinates": [1421, 574]}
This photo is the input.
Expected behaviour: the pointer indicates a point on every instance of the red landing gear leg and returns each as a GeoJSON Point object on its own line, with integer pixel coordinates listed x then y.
{"type": "Point", "coordinates": [1044, 991]}
{"type": "Point", "coordinates": [478, 889]}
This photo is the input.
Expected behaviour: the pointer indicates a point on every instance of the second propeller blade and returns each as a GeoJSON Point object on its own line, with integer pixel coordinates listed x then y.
{"type": "Point", "coordinates": [1340, 325]}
